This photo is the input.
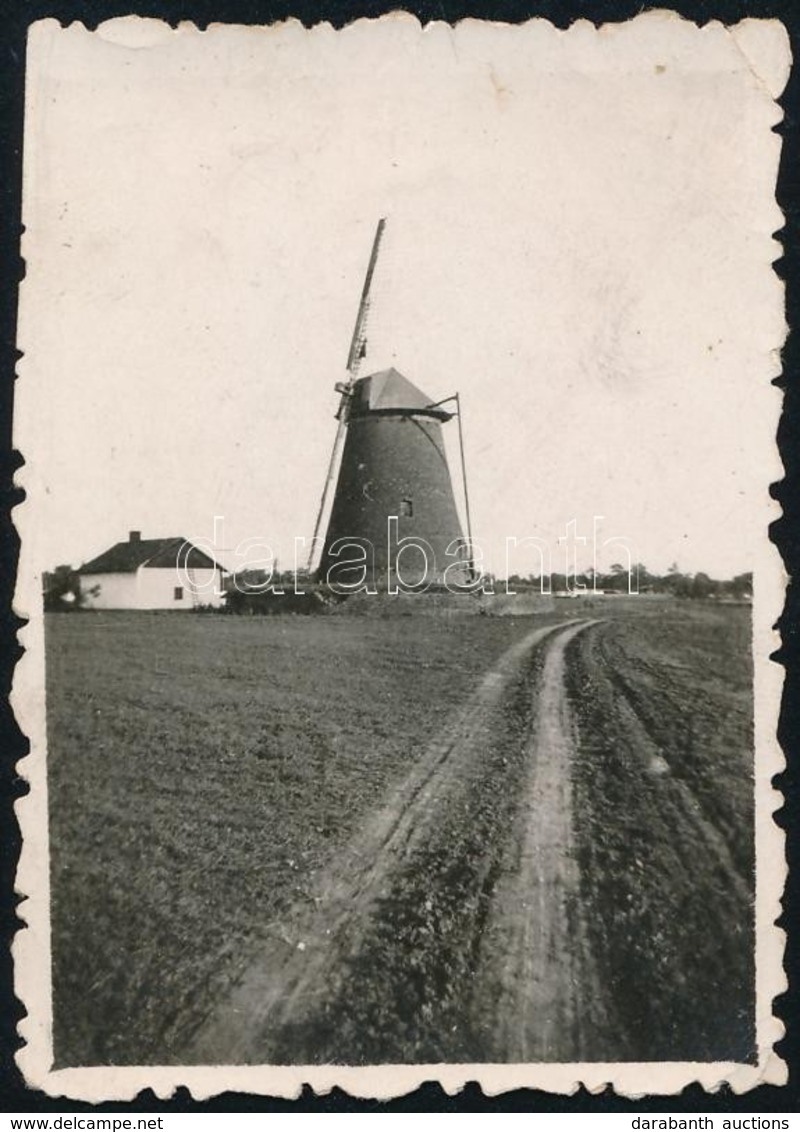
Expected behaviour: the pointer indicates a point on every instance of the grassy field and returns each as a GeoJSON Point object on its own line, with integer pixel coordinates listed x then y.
{"type": "Point", "coordinates": [664, 821]}
{"type": "Point", "coordinates": [201, 770]}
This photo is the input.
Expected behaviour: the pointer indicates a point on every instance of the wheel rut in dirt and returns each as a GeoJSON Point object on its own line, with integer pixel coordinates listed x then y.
{"type": "Point", "coordinates": [440, 934]}
{"type": "Point", "coordinates": [545, 993]}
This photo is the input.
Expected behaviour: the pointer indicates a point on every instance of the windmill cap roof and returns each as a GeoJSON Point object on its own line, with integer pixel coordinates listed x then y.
{"type": "Point", "coordinates": [389, 392]}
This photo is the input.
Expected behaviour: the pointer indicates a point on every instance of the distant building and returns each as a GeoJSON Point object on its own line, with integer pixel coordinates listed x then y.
{"type": "Point", "coordinates": [155, 573]}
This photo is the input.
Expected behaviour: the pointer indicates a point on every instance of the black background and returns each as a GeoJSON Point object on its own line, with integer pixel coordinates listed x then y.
{"type": "Point", "coordinates": [14, 21]}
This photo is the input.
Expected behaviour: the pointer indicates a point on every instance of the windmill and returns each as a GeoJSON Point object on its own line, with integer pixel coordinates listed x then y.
{"type": "Point", "coordinates": [358, 350]}
{"type": "Point", "coordinates": [393, 476]}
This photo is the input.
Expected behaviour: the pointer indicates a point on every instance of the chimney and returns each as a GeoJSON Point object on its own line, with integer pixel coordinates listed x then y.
{"type": "Point", "coordinates": [135, 536]}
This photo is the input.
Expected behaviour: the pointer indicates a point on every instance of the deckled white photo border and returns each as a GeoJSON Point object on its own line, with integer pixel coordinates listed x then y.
{"type": "Point", "coordinates": [762, 46]}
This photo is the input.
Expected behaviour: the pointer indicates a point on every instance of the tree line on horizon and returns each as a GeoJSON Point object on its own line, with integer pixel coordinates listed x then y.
{"type": "Point", "coordinates": [674, 583]}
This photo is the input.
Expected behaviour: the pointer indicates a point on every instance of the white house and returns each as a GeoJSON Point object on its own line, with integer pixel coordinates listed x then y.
{"type": "Point", "coordinates": [154, 573]}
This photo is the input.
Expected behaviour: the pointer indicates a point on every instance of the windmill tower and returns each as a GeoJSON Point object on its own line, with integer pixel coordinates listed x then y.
{"type": "Point", "coordinates": [394, 494]}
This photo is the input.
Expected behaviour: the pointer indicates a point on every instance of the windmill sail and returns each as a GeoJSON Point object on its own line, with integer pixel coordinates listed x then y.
{"type": "Point", "coordinates": [357, 352]}
{"type": "Point", "coordinates": [359, 341]}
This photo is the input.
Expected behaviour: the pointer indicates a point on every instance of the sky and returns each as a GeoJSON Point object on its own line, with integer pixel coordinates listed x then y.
{"type": "Point", "coordinates": [579, 237]}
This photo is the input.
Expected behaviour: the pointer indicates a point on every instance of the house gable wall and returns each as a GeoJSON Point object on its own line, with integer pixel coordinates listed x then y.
{"type": "Point", "coordinates": [149, 588]}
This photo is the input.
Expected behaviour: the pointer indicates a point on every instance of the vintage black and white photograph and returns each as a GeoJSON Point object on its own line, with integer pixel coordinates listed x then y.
{"type": "Point", "coordinates": [398, 421]}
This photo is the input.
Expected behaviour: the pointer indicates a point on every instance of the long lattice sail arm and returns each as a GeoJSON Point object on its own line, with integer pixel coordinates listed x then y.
{"type": "Point", "coordinates": [358, 341]}
{"type": "Point", "coordinates": [357, 350]}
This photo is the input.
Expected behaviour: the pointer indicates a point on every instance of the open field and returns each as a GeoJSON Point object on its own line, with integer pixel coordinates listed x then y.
{"type": "Point", "coordinates": [232, 797]}
{"type": "Point", "coordinates": [665, 746]}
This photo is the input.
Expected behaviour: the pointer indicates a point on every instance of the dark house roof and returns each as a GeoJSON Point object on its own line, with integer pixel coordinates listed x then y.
{"type": "Point", "coordinates": [127, 557]}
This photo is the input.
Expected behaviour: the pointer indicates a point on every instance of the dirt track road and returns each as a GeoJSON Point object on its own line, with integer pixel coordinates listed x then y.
{"type": "Point", "coordinates": [544, 886]}
{"type": "Point", "coordinates": [447, 929]}
{"type": "Point", "coordinates": [534, 936]}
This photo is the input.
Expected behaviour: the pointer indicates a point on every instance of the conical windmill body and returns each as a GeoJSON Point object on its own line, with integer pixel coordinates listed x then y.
{"type": "Point", "coordinates": [394, 494]}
